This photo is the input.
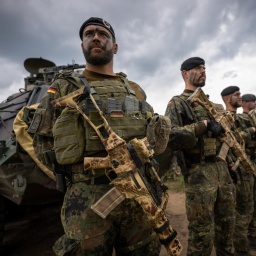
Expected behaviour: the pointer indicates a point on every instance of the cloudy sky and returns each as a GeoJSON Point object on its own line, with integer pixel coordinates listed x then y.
{"type": "Point", "coordinates": [154, 38]}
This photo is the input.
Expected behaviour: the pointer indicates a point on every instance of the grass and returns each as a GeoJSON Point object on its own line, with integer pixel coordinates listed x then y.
{"type": "Point", "coordinates": [175, 184]}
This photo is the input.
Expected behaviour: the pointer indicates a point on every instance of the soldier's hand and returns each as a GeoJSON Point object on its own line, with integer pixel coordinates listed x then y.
{"type": "Point", "coordinates": [215, 128]}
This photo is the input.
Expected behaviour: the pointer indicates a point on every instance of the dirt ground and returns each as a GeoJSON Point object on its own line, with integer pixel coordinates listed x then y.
{"type": "Point", "coordinates": [35, 233]}
{"type": "Point", "coordinates": [176, 213]}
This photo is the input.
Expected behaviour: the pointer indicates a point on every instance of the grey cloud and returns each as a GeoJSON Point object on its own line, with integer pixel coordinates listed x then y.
{"type": "Point", "coordinates": [231, 74]}
{"type": "Point", "coordinates": [154, 36]}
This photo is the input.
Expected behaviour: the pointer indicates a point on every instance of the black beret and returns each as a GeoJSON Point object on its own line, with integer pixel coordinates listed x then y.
{"type": "Point", "coordinates": [191, 63]}
{"type": "Point", "coordinates": [229, 90]}
{"type": "Point", "coordinates": [248, 97]}
{"type": "Point", "coordinates": [96, 21]}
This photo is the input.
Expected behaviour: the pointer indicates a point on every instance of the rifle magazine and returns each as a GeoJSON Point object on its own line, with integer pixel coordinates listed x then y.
{"type": "Point", "coordinates": [223, 151]}
{"type": "Point", "coordinates": [108, 202]}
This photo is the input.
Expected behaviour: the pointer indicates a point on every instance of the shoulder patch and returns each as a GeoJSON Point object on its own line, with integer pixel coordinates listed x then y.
{"type": "Point", "coordinates": [51, 90]}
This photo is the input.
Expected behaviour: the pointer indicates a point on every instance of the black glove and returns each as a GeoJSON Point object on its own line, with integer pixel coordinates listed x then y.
{"type": "Point", "coordinates": [215, 128]}
{"type": "Point", "coordinates": [233, 175]}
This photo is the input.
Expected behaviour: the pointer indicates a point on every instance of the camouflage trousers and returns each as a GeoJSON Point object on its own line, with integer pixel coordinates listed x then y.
{"type": "Point", "coordinates": [244, 211]}
{"type": "Point", "coordinates": [210, 206]}
{"type": "Point", "coordinates": [126, 228]}
{"type": "Point", "coordinates": [252, 225]}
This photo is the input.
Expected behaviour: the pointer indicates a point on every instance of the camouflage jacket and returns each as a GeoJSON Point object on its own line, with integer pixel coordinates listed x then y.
{"type": "Point", "coordinates": [47, 113]}
{"type": "Point", "coordinates": [187, 128]}
{"type": "Point", "coordinates": [244, 123]}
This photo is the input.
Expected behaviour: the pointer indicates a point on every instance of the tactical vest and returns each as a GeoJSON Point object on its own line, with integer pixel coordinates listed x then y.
{"type": "Point", "coordinates": [206, 145]}
{"type": "Point", "coordinates": [74, 138]}
{"type": "Point", "coordinates": [245, 122]}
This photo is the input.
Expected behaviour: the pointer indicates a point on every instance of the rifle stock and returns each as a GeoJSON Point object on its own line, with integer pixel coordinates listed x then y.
{"type": "Point", "coordinates": [232, 138]}
{"type": "Point", "coordinates": [130, 181]}
{"type": "Point", "coordinates": [96, 163]}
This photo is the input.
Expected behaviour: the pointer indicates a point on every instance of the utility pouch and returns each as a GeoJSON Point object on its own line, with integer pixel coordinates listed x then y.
{"type": "Point", "coordinates": [89, 107]}
{"type": "Point", "coordinates": [38, 119]}
{"type": "Point", "coordinates": [131, 104]}
{"type": "Point", "coordinates": [209, 146]}
{"type": "Point", "coordinates": [158, 132]}
{"type": "Point", "coordinates": [28, 115]}
{"type": "Point", "coordinates": [108, 202]}
{"type": "Point", "coordinates": [146, 108]}
{"type": "Point", "coordinates": [69, 137]}
{"type": "Point", "coordinates": [114, 108]}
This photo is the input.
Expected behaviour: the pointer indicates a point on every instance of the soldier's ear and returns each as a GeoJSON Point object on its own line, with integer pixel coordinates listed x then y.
{"type": "Point", "coordinates": [184, 74]}
{"type": "Point", "coordinates": [115, 48]}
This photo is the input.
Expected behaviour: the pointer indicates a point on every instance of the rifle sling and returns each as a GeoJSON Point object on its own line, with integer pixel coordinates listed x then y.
{"type": "Point", "coordinates": [162, 228]}
{"type": "Point", "coordinates": [169, 238]}
{"type": "Point", "coordinates": [134, 155]}
{"type": "Point", "coordinates": [84, 80]}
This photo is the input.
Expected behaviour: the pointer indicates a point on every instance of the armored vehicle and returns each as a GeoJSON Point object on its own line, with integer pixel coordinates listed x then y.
{"type": "Point", "coordinates": [24, 181]}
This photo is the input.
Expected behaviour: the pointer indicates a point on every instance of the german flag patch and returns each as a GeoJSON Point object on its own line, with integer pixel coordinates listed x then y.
{"type": "Point", "coordinates": [51, 90]}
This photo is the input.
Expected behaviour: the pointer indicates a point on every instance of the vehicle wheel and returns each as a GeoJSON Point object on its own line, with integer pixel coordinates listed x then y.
{"type": "Point", "coordinates": [2, 219]}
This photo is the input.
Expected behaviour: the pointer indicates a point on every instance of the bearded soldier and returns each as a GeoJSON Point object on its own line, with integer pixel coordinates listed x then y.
{"type": "Point", "coordinates": [247, 125]}
{"type": "Point", "coordinates": [231, 96]}
{"type": "Point", "coordinates": [210, 199]}
{"type": "Point", "coordinates": [126, 228]}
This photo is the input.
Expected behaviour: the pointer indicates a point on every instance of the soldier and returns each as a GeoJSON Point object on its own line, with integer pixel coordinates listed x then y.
{"type": "Point", "coordinates": [232, 98]}
{"type": "Point", "coordinates": [244, 181]}
{"type": "Point", "coordinates": [249, 104]}
{"type": "Point", "coordinates": [126, 228]}
{"type": "Point", "coordinates": [210, 199]}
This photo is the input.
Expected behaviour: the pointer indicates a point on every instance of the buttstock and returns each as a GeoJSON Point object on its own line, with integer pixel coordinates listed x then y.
{"type": "Point", "coordinates": [68, 100]}
{"type": "Point", "coordinates": [96, 163]}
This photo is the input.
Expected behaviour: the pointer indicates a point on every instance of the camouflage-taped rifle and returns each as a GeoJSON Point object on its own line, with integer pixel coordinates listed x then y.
{"type": "Point", "coordinates": [231, 139]}
{"type": "Point", "coordinates": [126, 160]}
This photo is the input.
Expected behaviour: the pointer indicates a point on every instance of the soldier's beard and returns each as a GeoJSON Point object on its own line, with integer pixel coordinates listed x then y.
{"type": "Point", "coordinates": [237, 105]}
{"type": "Point", "coordinates": [201, 84]}
{"type": "Point", "coordinates": [100, 59]}
{"type": "Point", "coordinates": [197, 81]}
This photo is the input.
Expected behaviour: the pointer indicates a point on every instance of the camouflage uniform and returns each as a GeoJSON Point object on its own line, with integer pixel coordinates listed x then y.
{"type": "Point", "coordinates": [126, 228]}
{"type": "Point", "coordinates": [210, 198]}
{"type": "Point", "coordinates": [245, 189]}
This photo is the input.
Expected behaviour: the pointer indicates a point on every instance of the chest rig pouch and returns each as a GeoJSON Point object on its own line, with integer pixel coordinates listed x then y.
{"type": "Point", "coordinates": [208, 145]}
{"type": "Point", "coordinates": [74, 138]}
{"type": "Point", "coordinates": [68, 131]}
{"type": "Point", "coordinates": [68, 134]}
{"type": "Point", "coordinates": [126, 115]}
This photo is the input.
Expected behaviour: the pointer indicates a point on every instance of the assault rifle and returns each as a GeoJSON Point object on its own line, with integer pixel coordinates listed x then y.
{"type": "Point", "coordinates": [231, 139]}
{"type": "Point", "coordinates": [127, 161]}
